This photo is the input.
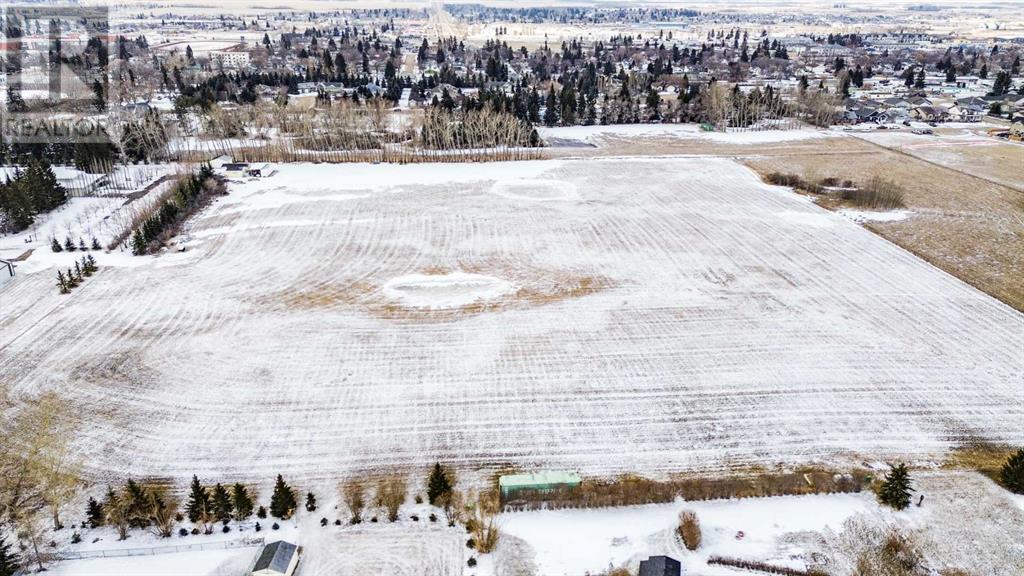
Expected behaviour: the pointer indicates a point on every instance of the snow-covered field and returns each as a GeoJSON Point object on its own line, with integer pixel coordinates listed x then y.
{"type": "Point", "coordinates": [592, 134]}
{"type": "Point", "coordinates": [653, 316]}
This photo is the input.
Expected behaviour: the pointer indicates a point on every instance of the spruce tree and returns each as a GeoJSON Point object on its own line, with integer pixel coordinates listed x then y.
{"type": "Point", "coordinates": [896, 488]}
{"type": "Point", "coordinates": [198, 501]}
{"type": "Point", "coordinates": [310, 502]}
{"type": "Point", "coordinates": [55, 245]}
{"type": "Point", "coordinates": [437, 484]}
{"type": "Point", "coordinates": [95, 244]}
{"type": "Point", "coordinates": [242, 502]}
{"type": "Point", "coordinates": [1012, 473]}
{"type": "Point", "coordinates": [94, 511]}
{"type": "Point", "coordinates": [62, 283]}
{"type": "Point", "coordinates": [222, 507]}
{"type": "Point", "coordinates": [282, 502]}
{"type": "Point", "coordinates": [138, 243]}
{"type": "Point", "coordinates": [9, 561]}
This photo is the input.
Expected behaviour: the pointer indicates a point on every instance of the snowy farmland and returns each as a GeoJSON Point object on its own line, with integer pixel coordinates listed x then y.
{"type": "Point", "coordinates": [649, 316]}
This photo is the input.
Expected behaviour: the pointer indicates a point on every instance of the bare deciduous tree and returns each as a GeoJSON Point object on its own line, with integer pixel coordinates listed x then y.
{"type": "Point", "coordinates": [353, 493]}
{"type": "Point", "coordinates": [391, 493]}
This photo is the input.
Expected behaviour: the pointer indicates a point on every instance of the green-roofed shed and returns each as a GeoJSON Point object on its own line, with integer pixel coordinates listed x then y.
{"type": "Point", "coordinates": [540, 482]}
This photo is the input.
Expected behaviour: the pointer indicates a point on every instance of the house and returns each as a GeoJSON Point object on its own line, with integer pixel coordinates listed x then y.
{"type": "Point", "coordinates": [513, 484]}
{"type": "Point", "coordinates": [928, 113]}
{"type": "Point", "coordinates": [277, 559]}
{"type": "Point", "coordinates": [660, 566]}
{"type": "Point", "coordinates": [966, 113]}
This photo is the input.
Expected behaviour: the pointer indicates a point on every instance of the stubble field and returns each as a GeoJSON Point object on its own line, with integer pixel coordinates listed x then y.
{"type": "Point", "coordinates": [603, 315]}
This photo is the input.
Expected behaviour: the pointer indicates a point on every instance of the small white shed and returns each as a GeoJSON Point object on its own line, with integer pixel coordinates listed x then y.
{"type": "Point", "coordinates": [277, 559]}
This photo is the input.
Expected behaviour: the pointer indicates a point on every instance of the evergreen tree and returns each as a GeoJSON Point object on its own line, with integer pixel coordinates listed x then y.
{"type": "Point", "coordinates": [62, 283]}
{"type": "Point", "coordinates": [138, 243]}
{"type": "Point", "coordinates": [94, 512]}
{"type": "Point", "coordinates": [138, 503]}
{"type": "Point", "coordinates": [242, 502]}
{"type": "Point", "coordinates": [95, 244]}
{"type": "Point", "coordinates": [282, 501]}
{"type": "Point", "coordinates": [919, 81]}
{"type": "Point", "coordinates": [653, 100]}
{"type": "Point", "coordinates": [437, 484]}
{"type": "Point", "coordinates": [310, 502]}
{"type": "Point", "coordinates": [222, 507]}
{"type": "Point", "coordinates": [198, 501]}
{"type": "Point", "coordinates": [896, 489]}
{"type": "Point", "coordinates": [9, 561]}
{"type": "Point", "coordinates": [550, 109]}
{"type": "Point", "coordinates": [55, 245]}
{"type": "Point", "coordinates": [1012, 473]}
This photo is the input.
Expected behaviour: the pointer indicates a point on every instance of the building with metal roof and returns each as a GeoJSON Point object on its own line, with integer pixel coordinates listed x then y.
{"type": "Point", "coordinates": [660, 566]}
{"type": "Point", "coordinates": [277, 559]}
{"type": "Point", "coordinates": [540, 481]}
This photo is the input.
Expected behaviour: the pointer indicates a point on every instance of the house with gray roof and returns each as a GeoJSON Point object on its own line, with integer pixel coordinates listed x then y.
{"type": "Point", "coordinates": [277, 559]}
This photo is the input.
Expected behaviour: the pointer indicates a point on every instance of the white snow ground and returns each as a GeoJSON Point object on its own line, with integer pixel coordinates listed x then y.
{"type": "Point", "coordinates": [574, 542]}
{"type": "Point", "coordinates": [668, 315]}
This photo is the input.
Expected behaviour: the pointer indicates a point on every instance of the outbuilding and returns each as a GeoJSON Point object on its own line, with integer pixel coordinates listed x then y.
{"type": "Point", "coordinates": [277, 559]}
{"type": "Point", "coordinates": [660, 566]}
{"type": "Point", "coordinates": [540, 482]}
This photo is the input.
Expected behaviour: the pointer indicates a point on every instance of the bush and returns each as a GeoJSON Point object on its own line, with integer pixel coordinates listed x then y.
{"type": "Point", "coordinates": [433, 517]}
{"type": "Point", "coordinates": [226, 529]}
{"type": "Point", "coordinates": [1012, 473]}
{"type": "Point", "coordinates": [877, 192]}
{"type": "Point", "coordinates": [275, 526]}
{"type": "Point", "coordinates": [470, 543]}
{"type": "Point", "coordinates": [415, 518]}
{"type": "Point", "coordinates": [182, 532]}
{"type": "Point", "coordinates": [258, 527]}
{"type": "Point", "coordinates": [471, 562]}
{"type": "Point", "coordinates": [323, 522]}
{"type": "Point", "coordinates": [689, 529]}
{"type": "Point", "coordinates": [76, 538]}
{"type": "Point", "coordinates": [261, 512]}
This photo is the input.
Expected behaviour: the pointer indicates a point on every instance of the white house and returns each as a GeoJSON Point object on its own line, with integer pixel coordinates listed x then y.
{"type": "Point", "coordinates": [277, 559]}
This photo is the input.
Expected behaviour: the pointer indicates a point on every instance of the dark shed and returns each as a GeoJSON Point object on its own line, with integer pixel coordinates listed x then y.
{"type": "Point", "coordinates": [660, 566]}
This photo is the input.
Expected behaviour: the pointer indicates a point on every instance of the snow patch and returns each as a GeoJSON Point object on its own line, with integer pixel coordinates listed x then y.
{"type": "Point", "coordinates": [873, 216]}
{"type": "Point", "coordinates": [536, 190]}
{"type": "Point", "coordinates": [452, 290]}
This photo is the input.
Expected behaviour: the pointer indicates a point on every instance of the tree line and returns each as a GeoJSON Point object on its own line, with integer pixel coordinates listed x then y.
{"type": "Point", "coordinates": [28, 194]}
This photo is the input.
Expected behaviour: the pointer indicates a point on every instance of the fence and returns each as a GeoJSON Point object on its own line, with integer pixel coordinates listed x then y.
{"type": "Point", "coordinates": [154, 550]}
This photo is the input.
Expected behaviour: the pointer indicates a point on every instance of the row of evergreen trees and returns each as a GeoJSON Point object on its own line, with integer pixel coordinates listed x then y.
{"type": "Point", "coordinates": [31, 192]}
{"type": "Point", "coordinates": [71, 246]}
{"type": "Point", "coordinates": [187, 196]}
{"type": "Point", "coordinates": [83, 269]}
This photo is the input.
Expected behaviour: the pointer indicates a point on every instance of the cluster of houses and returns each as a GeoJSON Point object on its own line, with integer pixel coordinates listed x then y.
{"type": "Point", "coordinates": [904, 109]}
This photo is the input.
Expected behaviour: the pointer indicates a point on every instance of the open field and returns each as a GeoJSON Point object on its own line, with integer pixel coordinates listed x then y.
{"type": "Point", "coordinates": [964, 218]}
{"type": "Point", "coordinates": [561, 313]}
